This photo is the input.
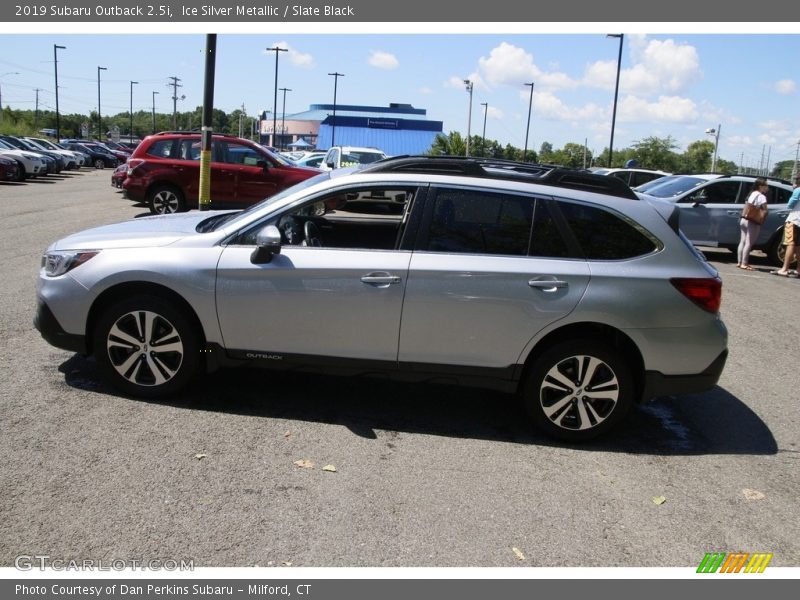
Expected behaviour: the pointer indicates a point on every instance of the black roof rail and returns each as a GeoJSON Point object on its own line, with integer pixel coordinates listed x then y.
{"type": "Point", "coordinates": [492, 168]}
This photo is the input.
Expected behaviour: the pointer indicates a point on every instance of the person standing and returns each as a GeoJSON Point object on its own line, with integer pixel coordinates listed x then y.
{"type": "Point", "coordinates": [791, 231]}
{"type": "Point", "coordinates": [751, 228]}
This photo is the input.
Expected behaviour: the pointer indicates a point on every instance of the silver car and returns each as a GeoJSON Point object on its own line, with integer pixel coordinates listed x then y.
{"type": "Point", "coordinates": [551, 283]}
{"type": "Point", "coordinates": [711, 206]}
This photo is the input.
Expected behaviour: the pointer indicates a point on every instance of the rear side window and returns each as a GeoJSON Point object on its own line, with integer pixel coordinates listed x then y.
{"type": "Point", "coordinates": [161, 149]}
{"type": "Point", "coordinates": [473, 222]}
{"type": "Point", "coordinates": [603, 235]}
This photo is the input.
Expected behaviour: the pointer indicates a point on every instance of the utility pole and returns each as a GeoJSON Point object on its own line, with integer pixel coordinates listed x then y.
{"type": "Point", "coordinates": [55, 65]}
{"type": "Point", "coordinates": [175, 85]}
{"type": "Point", "coordinates": [154, 111]}
{"type": "Point", "coordinates": [204, 200]}
{"type": "Point", "coordinates": [277, 50]}
{"type": "Point", "coordinates": [796, 170]}
{"type": "Point", "coordinates": [335, 76]}
{"type": "Point", "coordinates": [621, 37]}
{"type": "Point", "coordinates": [283, 115]}
{"type": "Point", "coordinates": [469, 86]}
{"type": "Point", "coordinates": [528, 126]}
{"type": "Point", "coordinates": [99, 117]}
{"type": "Point", "coordinates": [36, 117]}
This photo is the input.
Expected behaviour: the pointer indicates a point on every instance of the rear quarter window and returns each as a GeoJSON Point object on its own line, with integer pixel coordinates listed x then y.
{"type": "Point", "coordinates": [603, 235]}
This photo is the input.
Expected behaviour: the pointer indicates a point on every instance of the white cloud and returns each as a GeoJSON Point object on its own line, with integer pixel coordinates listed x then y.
{"type": "Point", "coordinates": [494, 113]}
{"type": "Point", "coordinates": [673, 109]}
{"type": "Point", "coordinates": [457, 82]}
{"type": "Point", "coordinates": [547, 105]}
{"type": "Point", "coordinates": [383, 60]}
{"type": "Point", "coordinates": [425, 90]}
{"type": "Point", "coordinates": [297, 58]}
{"type": "Point", "coordinates": [785, 87]}
{"type": "Point", "coordinates": [513, 66]}
{"type": "Point", "coordinates": [658, 67]}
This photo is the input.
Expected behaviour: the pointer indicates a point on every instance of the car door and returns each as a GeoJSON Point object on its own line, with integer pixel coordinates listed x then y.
{"type": "Point", "coordinates": [253, 174]}
{"type": "Point", "coordinates": [710, 215]}
{"type": "Point", "coordinates": [340, 304]}
{"type": "Point", "coordinates": [475, 297]}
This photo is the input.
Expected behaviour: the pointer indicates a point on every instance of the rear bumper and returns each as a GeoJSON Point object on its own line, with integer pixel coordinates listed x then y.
{"type": "Point", "coordinates": [658, 384]}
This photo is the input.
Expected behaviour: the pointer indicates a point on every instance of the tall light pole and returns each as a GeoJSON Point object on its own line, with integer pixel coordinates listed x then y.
{"type": "Point", "coordinates": [99, 117]}
{"type": "Point", "coordinates": [55, 66]}
{"type": "Point", "coordinates": [715, 133]}
{"type": "Point", "coordinates": [621, 37]}
{"type": "Point", "coordinates": [1, 94]}
{"type": "Point", "coordinates": [485, 106]}
{"type": "Point", "coordinates": [528, 126]}
{"type": "Point", "coordinates": [130, 133]}
{"type": "Point", "coordinates": [283, 114]}
{"type": "Point", "coordinates": [469, 85]}
{"type": "Point", "coordinates": [154, 111]}
{"type": "Point", "coordinates": [335, 76]}
{"type": "Point", "coordinates": [277, 52]}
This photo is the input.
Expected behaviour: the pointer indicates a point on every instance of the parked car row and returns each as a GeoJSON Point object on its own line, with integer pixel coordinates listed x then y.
{"type": "Point", "coordinates": [27, 157]}
{"type": "Point", "coordinates": [164, 172]}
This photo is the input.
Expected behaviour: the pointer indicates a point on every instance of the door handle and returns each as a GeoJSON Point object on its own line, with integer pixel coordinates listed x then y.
{"type": "Point", "coordinates": [734, 213]}
{"type": "Point", "coordinates": [380, 279]}
{"type": "Point", "coordinates": [547, 285]}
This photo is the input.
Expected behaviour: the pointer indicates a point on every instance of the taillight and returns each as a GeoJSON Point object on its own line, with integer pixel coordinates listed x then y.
{"type": "Point", "coordinates": [133, 163]}
{"type": "Point", "coordinates": [706, 292]}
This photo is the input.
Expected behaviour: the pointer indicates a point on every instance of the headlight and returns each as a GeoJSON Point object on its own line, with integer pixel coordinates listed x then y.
{"type": "Point", "coordinates": [58, 263]}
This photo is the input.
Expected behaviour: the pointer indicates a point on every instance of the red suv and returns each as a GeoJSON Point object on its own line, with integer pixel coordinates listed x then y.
{"type": "Point", "coordinates": [164, 171]}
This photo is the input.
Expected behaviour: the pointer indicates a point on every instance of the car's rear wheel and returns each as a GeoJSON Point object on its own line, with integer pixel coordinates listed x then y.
{"type": "Point", "coordinates": [166, 199]}
{"type": "Point", "coordinates": [578, 390]}
{"type": "Point", "coordinates": [99, 163]}
{"type": "Point", "coordinates": [146, 347]}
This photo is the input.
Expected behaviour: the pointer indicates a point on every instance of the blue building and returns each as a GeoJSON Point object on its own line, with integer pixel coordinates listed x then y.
{"type": "Point", "coordinates": [396, 129]}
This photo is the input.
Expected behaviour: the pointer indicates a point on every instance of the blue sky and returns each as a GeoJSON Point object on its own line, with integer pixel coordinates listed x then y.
{"type": "Point", "coordinates": [672, 84]}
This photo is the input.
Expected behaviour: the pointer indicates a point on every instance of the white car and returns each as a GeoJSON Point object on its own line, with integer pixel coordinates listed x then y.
{"type": "Point", "coordinates": [34, 165]}
{"type": "Point", "coordinates": [73, 160]}
{"type": "Point", "coordinates": [350, 156]}
{"type": "Point", "coordinates": [632, 176]}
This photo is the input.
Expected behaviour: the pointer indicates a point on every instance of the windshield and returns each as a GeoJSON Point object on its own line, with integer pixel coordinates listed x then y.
{"type": "Point", "coordinates": [676, 187]}
{"type": "Point", "coordinates": [646, 187]}
{"type": "Point", "coordinates": [233, 218]}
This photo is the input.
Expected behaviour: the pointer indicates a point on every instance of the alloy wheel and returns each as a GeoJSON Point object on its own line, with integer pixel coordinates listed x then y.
{"type": "Point", "coordinates": [145, 348]}
{"type": "Point", "coordinates": [579, 392]}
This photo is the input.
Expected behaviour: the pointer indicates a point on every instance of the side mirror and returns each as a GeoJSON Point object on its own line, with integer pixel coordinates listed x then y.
{"type": "Point", "coordinates": [268, 243]}
{"type": "Point", "coordinates": [331, 165]}
{"type": "Point", "coordinates": [263, 164]}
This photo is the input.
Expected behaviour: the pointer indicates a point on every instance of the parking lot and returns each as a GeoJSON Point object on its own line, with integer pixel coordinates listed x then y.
{"type": "Point", "coordinates": [255, 468]}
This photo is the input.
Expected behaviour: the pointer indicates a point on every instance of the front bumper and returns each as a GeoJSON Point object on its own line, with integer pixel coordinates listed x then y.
{"type": "Point", "coordinates": [51, 330]}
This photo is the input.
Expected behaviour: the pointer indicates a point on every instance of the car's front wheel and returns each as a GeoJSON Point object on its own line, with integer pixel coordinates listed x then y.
{"type": "Point", "coordinates": [165, 199]}
{"type": "Point", "coordinates": [578, 390]}
{"type": "Point", "coordinates": [146, 347]}
{"type": "Point", "coordinates": [777, 252]}
{"type": "Point", "coordinates": [99, 163]}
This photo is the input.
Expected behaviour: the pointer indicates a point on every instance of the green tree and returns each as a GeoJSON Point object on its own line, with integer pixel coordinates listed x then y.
{"type": "Point", "coordinates": [697, 158]}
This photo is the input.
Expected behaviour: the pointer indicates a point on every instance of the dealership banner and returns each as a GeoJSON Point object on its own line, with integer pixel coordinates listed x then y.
{"type": "Point", "coordinates": [394, 589]}
{"type": "Point", "coordinates": [465, 11]}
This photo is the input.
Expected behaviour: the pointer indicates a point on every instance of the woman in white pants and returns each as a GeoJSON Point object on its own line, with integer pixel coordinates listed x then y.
{"type": "Point", "coordinates": [750, 229]}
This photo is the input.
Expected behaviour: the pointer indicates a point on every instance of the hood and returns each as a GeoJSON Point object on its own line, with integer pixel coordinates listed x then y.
{"type": "Point", "coordinates": [145, 232]}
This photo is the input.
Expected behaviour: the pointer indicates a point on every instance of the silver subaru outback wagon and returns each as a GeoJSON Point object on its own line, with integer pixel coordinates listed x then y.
{"type": "Point", "coordinates": [552, 283]}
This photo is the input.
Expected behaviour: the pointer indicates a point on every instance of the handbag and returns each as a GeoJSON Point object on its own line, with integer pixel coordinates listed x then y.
{"type": "Point", "coordinates": [756, 214]}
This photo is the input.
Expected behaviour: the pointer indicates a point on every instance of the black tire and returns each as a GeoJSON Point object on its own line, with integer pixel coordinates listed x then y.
{"type": "Point", "coordinates": [777, 252]}
{"type": "Point", "coordinates": [127, 356]}
{"type": "Point", "coordinates": [165, 199]}
{"type": "Point", "coordinates": [99, 163]}
{"type": "Point", "coordinates": [599, 394]}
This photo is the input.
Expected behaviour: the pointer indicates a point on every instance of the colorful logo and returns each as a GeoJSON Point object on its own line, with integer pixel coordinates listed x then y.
{"type": "Point", "coordinates": [736, 562]}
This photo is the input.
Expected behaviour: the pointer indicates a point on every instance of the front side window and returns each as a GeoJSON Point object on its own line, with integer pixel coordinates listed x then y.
{"type": "Point", "coordinates": [370, 218]}
{"type": "Point", "coordinates": [240, 154]}
{"type": "Point", "coordinates": [724, 192]}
